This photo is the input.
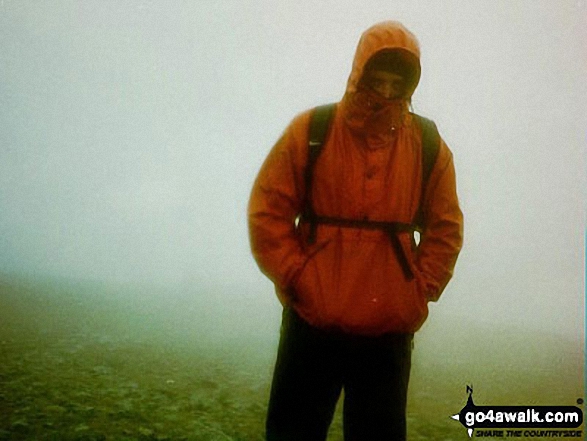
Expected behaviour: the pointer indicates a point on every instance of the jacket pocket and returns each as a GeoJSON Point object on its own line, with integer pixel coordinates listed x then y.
{"type": "Point", "coordinates": [409, 249]}
{"type": "Point", "coordinates": [310, 254]}
{"type": "Point", "coordinates": [417, 283]}
{"type": "Point", "coordinates": [306, 287]}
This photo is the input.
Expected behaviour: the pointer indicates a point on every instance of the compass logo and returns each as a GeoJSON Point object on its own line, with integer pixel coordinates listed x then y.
{"type": "Point", "coordinates": [489, 418]}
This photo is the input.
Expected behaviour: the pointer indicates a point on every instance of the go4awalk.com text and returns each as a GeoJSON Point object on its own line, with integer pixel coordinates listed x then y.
{"type": "Point", "coordinates": [520, 421]}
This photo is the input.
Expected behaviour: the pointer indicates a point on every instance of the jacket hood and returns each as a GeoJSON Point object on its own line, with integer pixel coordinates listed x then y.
{"type": "Point", "coordinates": [387, 35]}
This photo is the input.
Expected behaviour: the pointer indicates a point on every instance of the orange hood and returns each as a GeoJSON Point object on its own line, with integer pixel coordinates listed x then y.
{"type": "Point", "coordinates": [366, 113]}
{"type": "Point", "coordinates": [386, 35]}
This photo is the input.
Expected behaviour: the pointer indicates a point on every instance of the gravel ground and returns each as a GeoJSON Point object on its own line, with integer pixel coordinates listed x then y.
{"type": "Point", "coordinates": [80, 367]}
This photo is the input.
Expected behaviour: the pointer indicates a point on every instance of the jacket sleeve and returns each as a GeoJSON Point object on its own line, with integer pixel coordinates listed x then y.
{"type": "Point", "coordinates": [275, 202]}
{"type": "Point", "coordinates": [442, 239]}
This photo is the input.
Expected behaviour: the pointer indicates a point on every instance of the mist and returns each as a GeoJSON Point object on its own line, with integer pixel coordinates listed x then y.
{"type": "Point", "coordinates": [132, 133]}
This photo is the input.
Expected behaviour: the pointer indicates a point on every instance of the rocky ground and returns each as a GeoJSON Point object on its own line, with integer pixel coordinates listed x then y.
{"type": "Point", "coordinates": [74, 369]}
{"type": "Point", "coordinates": [89, 387]}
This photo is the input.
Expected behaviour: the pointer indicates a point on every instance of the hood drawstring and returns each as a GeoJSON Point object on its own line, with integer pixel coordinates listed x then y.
{"type": "Point", "coordinates": [374, 117]}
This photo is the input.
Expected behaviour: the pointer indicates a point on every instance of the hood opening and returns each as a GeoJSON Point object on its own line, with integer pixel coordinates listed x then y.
{"type": "Point", "coordinates": [397, 61]}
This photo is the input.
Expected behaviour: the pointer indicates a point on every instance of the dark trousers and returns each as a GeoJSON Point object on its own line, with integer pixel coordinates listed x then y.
{"type": "Point", "coordinates": [312, 368]}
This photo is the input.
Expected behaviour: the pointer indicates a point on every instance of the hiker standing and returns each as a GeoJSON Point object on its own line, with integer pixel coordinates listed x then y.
{"type": "Point", "coordinates": [332, 217]}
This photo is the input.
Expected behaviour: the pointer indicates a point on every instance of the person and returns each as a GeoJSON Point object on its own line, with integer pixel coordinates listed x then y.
{"type": "Point", "coordinates": [350, 307]}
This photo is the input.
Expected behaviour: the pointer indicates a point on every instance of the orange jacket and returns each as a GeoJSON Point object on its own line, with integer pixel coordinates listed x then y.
{"type": "Point", "coordinates": [350, 278]}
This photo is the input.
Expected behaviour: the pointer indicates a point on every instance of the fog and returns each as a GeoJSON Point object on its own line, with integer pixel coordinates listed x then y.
{"type": "Point", "coordinates": [131, 133]}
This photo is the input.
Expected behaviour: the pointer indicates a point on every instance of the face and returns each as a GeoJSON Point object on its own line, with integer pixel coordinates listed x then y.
{"type": "Point", "coordinates": [386, 84]}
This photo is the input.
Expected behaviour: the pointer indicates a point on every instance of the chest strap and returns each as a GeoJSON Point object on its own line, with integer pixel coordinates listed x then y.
{"type": "Point", "coordinates": [390, 228]}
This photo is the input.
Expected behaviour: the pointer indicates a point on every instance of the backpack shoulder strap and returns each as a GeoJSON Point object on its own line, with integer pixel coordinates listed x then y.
{"type": "Point", "coordinates": [318, 129]}
{"type": "Point", "coordinates": [430, 148]}
{"type": "Point", "coordinates": [317, 133]}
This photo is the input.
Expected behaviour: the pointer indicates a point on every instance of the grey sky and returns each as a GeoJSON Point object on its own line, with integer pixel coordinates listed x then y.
{"type": "Point", "coordinates": [132, 132]}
